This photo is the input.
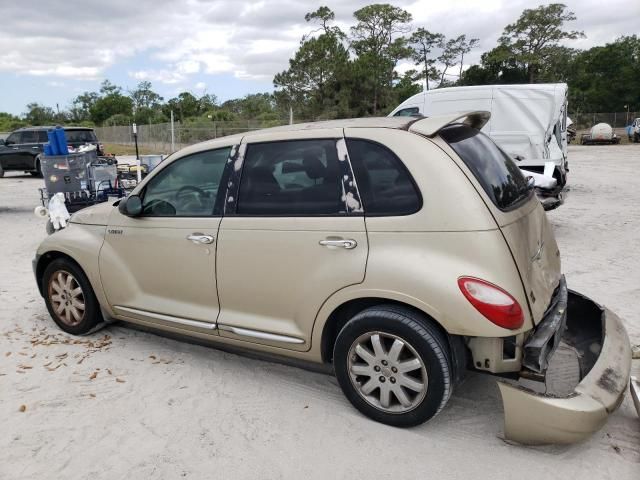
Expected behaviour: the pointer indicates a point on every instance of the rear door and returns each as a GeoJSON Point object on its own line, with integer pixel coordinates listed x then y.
{"type": "Point", "coordinates": [292, 235]}
{"type": "Point", "coordinates": [517, 211]}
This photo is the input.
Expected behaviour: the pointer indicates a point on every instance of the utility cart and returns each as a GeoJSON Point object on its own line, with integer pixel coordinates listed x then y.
{"type": "Point", "coordinates": [83, 179]}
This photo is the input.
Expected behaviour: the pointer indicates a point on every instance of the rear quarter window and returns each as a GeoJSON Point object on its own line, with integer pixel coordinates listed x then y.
{"type": "Point", "coordinates": [384, 183]}
{"type": "Point", "coordinates": [496, 172]}
{"type": "Point", "coordinates": [80, 136]}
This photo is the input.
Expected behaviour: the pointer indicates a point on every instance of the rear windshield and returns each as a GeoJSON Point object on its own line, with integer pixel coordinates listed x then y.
{"type": "Point", "coordinates": [80, 136]}
{"type": "Point", "coordinates": [499, 176]}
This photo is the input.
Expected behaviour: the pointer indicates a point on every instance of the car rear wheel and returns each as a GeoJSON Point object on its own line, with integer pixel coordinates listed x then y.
{"type": "Point", "coordinates": [38, 169]}
{"type": "Point", "coordinates": [70, 298]}
{"type": "Point", "coordinates": [1, 172]}
{"type": "Point", "coordinates": [393, 365]}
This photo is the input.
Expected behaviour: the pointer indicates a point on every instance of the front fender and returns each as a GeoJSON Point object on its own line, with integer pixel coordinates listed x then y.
{"type": "Point", "coordinates": [81, 243]}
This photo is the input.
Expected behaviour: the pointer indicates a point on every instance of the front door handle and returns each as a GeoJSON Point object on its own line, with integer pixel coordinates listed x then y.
{"type": "Point", "coordinates": [198, 237]}
{"type": "Point", "coordinates": [339, 243]}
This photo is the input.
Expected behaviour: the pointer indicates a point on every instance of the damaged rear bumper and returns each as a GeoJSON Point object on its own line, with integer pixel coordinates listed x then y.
{"type": "Point", "coordinates": [603, 353]}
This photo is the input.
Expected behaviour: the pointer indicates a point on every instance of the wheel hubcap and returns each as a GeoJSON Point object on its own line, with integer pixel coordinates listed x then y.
{"type": "Point", "coordinates": [66, 297]}
{"type": "Point", "coordinates": [387, 372]}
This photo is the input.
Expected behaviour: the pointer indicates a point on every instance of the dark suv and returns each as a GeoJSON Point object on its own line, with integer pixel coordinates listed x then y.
{"type": "Point", "coordinates": [22, 149]}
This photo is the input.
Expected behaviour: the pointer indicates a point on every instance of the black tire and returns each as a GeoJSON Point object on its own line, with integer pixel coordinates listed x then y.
{"type": "Point", "coordinates": [636, 138]}
{"type": "Point", "coordinates": [422, 337]}
{"type": "Point", "coordinates": [1, 172]}
{"type": "Point", "coordinates": [38, 168]}
{"type": "Point", "coordinates": [91, 317]}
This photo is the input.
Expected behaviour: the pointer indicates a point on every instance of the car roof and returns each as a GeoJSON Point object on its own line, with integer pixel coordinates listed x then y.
{"type": "Point", "coordinates": [423, 125]}
{"type": "Point", "coordinates": [47, 127]}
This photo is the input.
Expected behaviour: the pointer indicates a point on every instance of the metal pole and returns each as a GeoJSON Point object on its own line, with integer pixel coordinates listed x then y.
{"type": "Point", "coordinates": [173, 137]}
{"type": "Point", "coordinates": [290, 115]}
{"type": "Point", "coordinates": [135, 139]}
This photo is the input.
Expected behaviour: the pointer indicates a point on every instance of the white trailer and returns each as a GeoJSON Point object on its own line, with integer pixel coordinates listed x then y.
{"type": "Point", "coordinates": [529, 122]}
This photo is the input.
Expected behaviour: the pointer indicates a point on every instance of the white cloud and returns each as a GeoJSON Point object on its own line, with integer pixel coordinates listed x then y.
{"type": "Point", "coordinates": [201, 86]}
{"type": "Point", "coordinates": [168, 77]}
{"type": "Point", "coordinates": [248, 39]}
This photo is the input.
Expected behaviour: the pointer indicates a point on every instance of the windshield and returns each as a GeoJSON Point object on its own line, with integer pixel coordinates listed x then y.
{"type": "Point", "coordinates": [84, 136]}
{"type": "Point", "coordinates": [499, 176]}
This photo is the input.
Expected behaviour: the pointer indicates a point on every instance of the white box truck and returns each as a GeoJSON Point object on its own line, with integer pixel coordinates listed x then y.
{"type": "Point", "coordinates": [529, 122]}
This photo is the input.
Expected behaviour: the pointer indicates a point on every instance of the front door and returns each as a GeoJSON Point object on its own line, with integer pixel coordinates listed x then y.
{"type": "Point", "coordinates": [11, 152]}
{"type": "Point", "coordinates": [160, 267]}
{"type": "Point", "coordinates": [292, 235]}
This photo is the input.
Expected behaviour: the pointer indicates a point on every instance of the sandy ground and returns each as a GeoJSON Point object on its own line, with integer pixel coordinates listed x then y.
{"type": "Point", "coordinates": [123, 403]}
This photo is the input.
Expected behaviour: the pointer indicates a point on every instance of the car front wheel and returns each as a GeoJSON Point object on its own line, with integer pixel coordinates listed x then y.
{"type": "Point", "coordinates": [70, 298]}
{"type": "Point", "coordinates": [393, 365]}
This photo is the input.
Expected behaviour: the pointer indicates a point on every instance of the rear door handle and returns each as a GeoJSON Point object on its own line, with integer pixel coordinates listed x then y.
{"type": "Point", "coordinates": [341, 243]}
{"type": "Point", "coordinates": [198, 237]}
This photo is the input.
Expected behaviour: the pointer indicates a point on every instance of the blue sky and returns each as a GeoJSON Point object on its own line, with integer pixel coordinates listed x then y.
{"type": "Point", "coordinates": [61, 48]}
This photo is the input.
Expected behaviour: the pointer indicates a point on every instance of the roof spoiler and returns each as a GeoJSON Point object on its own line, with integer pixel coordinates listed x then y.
{"type": "Point", "coordinates": [430, 126]}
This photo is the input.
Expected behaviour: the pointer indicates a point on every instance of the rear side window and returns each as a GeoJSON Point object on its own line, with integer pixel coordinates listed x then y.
{"type": "Point", "coordinates": [87, 136]}
{"type": "Point", "coordinates": [499, 176]}
{"type": "Point", "coordinates": [291, 178]}
{"type": "Point", "coordinates": [385, 185]}
{"type": "Point", "coordinates": [29, 136]}
{"type": "Point", "coordinates": [42, 136]}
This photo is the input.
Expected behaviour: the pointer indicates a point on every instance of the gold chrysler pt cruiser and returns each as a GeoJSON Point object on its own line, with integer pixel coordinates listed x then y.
{"type": "Point", "coordinates": [403, 251]}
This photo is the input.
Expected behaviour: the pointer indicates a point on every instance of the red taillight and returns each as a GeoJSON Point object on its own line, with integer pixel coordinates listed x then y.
{"type": "Point", "coordinates": [492, 302]}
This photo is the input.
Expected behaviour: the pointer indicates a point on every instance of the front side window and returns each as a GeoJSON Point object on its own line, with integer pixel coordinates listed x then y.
{"type": "Point", "coordinates": [497, 173]}
{"type": "Point", "coordinates": [187, 187]}
{"type": "Point", "coordinates": [407, 112]}
{"type": "Point", "coordinates": [12, 139]}
{"type": "Point", "coordinates": [291, 178]}
{"type": "Point", "coordinates": [385, 185]}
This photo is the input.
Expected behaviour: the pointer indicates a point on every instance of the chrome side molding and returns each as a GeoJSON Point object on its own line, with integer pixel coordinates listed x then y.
{"type": "Point", "coordinates": [165, 318]}
{"type": "Point", "coordinates": [246, 332]}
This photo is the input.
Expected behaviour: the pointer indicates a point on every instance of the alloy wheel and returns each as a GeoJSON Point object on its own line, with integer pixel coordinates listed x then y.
{"type": "Point", "coordinates": [387, 372]}
{"type": "Point", "coordinates": [66, 297]}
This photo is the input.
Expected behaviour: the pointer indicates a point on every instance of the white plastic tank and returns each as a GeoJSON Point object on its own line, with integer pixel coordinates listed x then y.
{"type": "Point", "coordinates": [601, 132]}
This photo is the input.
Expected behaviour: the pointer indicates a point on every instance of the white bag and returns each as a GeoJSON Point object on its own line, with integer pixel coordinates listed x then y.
{"type": "Point", "coordinates": [58, 212]}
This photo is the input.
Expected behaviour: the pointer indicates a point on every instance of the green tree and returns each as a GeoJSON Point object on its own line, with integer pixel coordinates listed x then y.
{"type": "Point", "coordinates": [422, 43]}
{"type": "Point", "coordinates": [379, 45]}
{"type": "Point", "coordinates": [146, 104]}
{"type": "Point", "coordinates": [80, 110]}
{"type": "Point", "coordinates": [532, 39]}
{"type": "Point", "coordinates": [463, 47]}
{"type": "Point", "coordinates": [406, 86]}
{"type": "Point", "coordinates": [38, 114]}
{"type": "Point", "coordinates": [10, 122]}
{"type": "Point", "coordinates": [111, 102]}
{"type": "Point", "coordinates": [312, 81]}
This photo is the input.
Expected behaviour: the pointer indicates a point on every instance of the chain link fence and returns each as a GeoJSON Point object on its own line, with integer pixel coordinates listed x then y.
{"type": "Point", "coordinates": [584, 121]}
{"type": "Point", "coordinates": [157, 137]}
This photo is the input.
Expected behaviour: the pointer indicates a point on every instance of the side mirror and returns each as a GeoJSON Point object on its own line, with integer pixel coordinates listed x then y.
{"type": "Point", "coordinates": [131, 206]}
{"type": "Point", "coordinates": [531, 182]}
